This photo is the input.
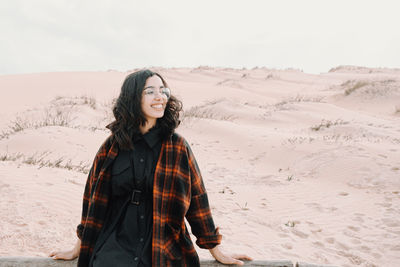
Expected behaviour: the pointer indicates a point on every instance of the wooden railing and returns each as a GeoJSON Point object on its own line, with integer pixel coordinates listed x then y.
{"type": "Point", "coordinates": [48, 262]}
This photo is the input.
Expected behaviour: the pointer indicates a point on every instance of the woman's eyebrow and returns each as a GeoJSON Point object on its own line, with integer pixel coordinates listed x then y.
{"type": "Point", "coordinates": [153, 87]}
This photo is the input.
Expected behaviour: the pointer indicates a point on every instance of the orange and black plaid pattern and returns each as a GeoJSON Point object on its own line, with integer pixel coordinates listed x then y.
{"type": "Point", "coordinates": [178, 192]}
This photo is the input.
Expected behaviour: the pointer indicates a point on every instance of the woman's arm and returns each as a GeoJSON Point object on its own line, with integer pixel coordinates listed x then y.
{"type": "Point", "coordinates": [228, 259]}
{"type": "Point", "coordinates": [67, 254]}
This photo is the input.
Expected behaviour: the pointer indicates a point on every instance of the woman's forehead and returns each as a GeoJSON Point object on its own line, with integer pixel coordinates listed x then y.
{"type": "Point", "coordinates": [154, 81]}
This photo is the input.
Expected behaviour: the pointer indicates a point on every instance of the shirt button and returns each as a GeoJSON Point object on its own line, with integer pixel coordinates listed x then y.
{"type": "Point", "coordinates": [141, 160]}
{"type": "Point", "coordinates": [141, 239]}
{"type": "Point", "coordinates": [136, 258]}
{"type": "Point", "coordinates": [141, 217]}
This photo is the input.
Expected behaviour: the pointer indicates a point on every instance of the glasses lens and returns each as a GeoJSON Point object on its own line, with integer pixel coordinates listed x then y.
{"type": "Point", "coordinates": [167, 92]}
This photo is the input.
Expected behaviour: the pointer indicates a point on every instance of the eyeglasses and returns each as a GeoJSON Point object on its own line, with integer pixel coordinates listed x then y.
{"type": "Point", "coordinates": [152, 91]}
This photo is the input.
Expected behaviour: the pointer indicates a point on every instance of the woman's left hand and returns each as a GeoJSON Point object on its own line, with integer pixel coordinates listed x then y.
{"type": "Point", "coordinates": [228, 259]}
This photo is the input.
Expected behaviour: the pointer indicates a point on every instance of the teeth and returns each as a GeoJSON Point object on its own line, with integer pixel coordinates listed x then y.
{"type": "Point", "coordinates": [157, 106]}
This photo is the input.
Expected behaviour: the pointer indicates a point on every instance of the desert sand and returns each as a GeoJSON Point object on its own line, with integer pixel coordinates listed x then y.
{"type": "Point", "coordinates": [297, 166]}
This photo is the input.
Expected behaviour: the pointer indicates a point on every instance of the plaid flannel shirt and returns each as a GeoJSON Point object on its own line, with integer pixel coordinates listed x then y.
{"type": "Point", "coordinates": [178, 192]}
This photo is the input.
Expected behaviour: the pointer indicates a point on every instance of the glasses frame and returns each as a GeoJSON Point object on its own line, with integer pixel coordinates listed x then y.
{"type": "Point", "coordinates": [154, 90]}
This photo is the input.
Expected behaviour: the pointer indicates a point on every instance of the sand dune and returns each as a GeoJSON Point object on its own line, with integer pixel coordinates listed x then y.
{"type": "Point", "coordinates": [298, 166]}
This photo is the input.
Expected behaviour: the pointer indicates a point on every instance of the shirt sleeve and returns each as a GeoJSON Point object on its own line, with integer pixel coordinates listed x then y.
{"type": "Point", "coordinates": [90, 184]}
{"type": "Point", "coordinates": [85, 202]}
{"type": "Point", "coordinates": [199, 212]}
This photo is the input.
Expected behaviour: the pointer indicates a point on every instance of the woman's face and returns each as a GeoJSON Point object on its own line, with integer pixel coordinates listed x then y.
{"type": "Point", "coordinates": [154, 98]}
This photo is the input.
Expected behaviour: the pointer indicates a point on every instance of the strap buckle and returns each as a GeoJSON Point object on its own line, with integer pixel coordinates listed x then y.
{"type": "Point", "coordinates": [135, 199]}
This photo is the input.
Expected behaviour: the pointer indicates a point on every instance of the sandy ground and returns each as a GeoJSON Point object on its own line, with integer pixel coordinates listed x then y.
{"type": "Point", "coordinates": [297, 166]}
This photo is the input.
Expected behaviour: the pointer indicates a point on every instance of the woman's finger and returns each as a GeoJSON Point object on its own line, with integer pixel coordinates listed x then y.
{"type": "Point", "coordinates": [242, 257]}
{"type": "Point", "coordinates": [232, 260]}
{"type": "Point", "coordinates": [237, 262]}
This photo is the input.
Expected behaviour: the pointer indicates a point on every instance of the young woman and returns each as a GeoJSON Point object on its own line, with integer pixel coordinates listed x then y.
{"type": "Point", "coordinates": [143, 183]}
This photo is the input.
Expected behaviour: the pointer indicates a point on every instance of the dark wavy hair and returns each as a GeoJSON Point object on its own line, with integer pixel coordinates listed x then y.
{"type": "Point", "coordinates": [129, 115]}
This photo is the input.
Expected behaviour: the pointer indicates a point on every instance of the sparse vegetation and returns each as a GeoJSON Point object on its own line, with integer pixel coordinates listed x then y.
{"type": "Point", "coordinates": [397, 110]}
{"type": "Point", "coordinates": [299, 98]}
{"type": "Point", "coordinates": [206, 111]}
{"type": "Point", "coordinates": [272, 76]}
{"type": "Point", "coordinates": [244, 207]}
{"type": "Point", "coordinates": [61, 111]}
{"type": "Point", "coordinates": [10, 157]}
{"type": "Point", "coordinates": [327, 124]}
{"type": "Point", "coordinates": [354, 86]}
{"type": "Point", "coordinates": [298, 140]}
{"type": "Point", "coordinates": [290, 223]}
{"type": "Point", "coordinates": [40, 161]}
{"type": "Point", "coordinates": [77, 100]}
{"type": "Point", "coordinates": [373, 88]}
{"type": "Point", "coordinates": [51, 117]}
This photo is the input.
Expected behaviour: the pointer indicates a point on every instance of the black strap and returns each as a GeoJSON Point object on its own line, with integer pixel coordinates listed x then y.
{"type": "Point", "coordinates": [140, 188]}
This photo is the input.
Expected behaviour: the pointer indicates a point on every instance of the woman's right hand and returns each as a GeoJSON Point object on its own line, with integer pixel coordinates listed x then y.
{"type": "Point", "coordinates": [67, 254]}
{"type": "Point", "coordinates": [64, 255]}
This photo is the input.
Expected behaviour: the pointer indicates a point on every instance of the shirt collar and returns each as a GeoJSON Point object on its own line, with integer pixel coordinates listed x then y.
{"type": "Point", "coordinates": [151, 137]}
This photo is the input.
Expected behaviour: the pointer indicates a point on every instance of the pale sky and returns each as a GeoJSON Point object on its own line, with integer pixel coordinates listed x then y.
{"type": "Point", "coordinates": [98, 35]}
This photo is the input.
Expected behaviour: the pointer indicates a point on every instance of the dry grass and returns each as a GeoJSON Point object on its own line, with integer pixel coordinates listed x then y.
{"type": "Point", "coordinates": [10, 157]}
{"type": "Point", "coordinates": [272, 76]}
{"type": "Point", "coordinates": [372, 88]}
{"type": "Point", "coordinates": [62, 111]}
{"type": "Point", "coordinates": [207, 111]}
{"type": "Point", "coordinates": [58, 116]}
{"type": "Point", "coordinates": [298, 140]}
{"type": "Point", "coordinates": [397, 110]}
{"type": "Point", "coordinates": [77, 100]}
{"type": "Point", "coordinates": [291, 223]}
{"type": "Point", "coordinates": [300, 98]}
{"type": "Point", "coordinates": [327, 124]}
{"type": "Point", "coordinates": [242, 207]}
{"type": "Point", "coordinates": [40, 161]}
{"type": "Point", "coordinates": [353, 86]}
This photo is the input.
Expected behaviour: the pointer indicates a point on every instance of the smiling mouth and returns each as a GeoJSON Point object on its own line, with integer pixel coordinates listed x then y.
{"type": "Point", "coordinates": [157, 106]}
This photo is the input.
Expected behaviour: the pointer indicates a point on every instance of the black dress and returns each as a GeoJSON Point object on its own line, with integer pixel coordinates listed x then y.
{"type": "Point", "coordinates": [126, 237]}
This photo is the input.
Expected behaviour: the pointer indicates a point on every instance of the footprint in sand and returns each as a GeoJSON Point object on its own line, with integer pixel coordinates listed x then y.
{"type": "Point", "coordinates": [365, 249]}
{"type": "Point", "coordinates": [358, 217]}
{"type": "Point", "coordinates": [319, 208]}
{"type": "Point", "coordinates": [390, 222]}
{"type": "Point", "coordinates": [353, 228]}
{"type": "Point", "coordinates": [330, 240]}
{"type": "Point", "coordinates": [385, 205]}
{"type": "Point", "coordinates": [354, 259]}
{"type": "Point", "coordinates": [395, 248]}
{"type": "Point", "coordinates": [4, 186]}
{"type": "Point", "coordinates": [376, 255]}
{"type": "Point", "coordinates": [355, 241]}
{"type": "Point", "coordinates": [342, 246]}
{"type": "Point", "coordinates": [287, 246]}
{"type": "Point", "coordinates": [318, 244]}
{"type": "Point", "coordinates": [350, 234]}
{"type": "Point", "coordinates": [299, 233]}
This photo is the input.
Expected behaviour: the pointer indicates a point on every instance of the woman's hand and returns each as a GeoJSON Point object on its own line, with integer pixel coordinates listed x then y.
{"type": "Point", "coordinates": [64, 255]}
{"type": "Point", "coordinates": [228, 259]}
{"type": "Point", "coordinates": [67, 254]}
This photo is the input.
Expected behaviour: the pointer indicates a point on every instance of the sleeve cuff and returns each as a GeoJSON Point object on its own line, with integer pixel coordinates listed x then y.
{"type": "Point", "coordinates": [209, 241]}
